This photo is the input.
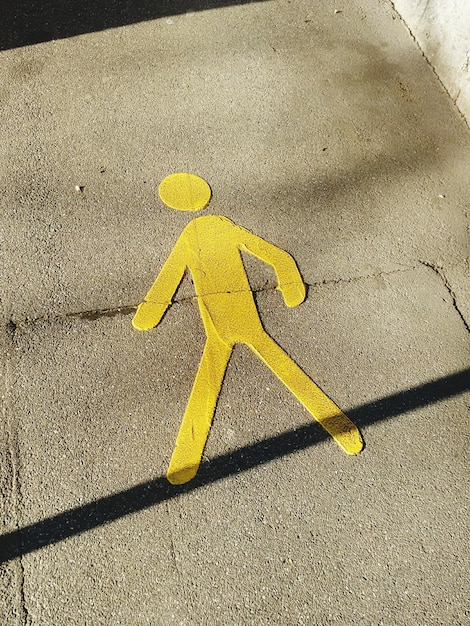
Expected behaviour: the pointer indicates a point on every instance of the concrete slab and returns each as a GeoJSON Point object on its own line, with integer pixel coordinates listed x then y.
{"type": "Point", "coordinates": [316, 130]}
{"type": "Point", "coordinates": [328, 134]}
{"type": "Point", "coordinates": [308, 537]}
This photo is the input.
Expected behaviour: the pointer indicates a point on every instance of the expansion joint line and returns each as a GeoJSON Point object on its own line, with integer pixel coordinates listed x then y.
{"type": "Point", "coordinates": [13, 497]}
{"type": "Point", "coordinates": [439, 271]}
{"type": "Point", "coordinates": [129, 309]}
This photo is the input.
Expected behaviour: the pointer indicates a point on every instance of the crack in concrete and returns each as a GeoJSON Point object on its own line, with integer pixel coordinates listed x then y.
{"type": "Point", "coordinates": [174, 557]}
{"type": "Point", "coordinates": [172, 544]}
{"type": "Point", "coordinates": [354, 279]}
{"type": "Point", "coordinates": [25, 616]}
{"type": "Point", "coordinates": [95, 314]}
{"type": "Point", "coordinates": [439, 271]}
{"type": "Point", "coordinates": [15, 498]}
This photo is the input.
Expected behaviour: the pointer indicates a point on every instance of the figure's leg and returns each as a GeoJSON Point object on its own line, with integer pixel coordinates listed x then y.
{"type": "Point", "coordinates": [197, 418]}
{"type": "Point", "coordinates": [324, 410]}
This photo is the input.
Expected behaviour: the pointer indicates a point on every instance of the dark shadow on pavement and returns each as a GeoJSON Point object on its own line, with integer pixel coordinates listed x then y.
{"type": "Point", "coordinates": [28, 22]}
{"type": "Point", "coordinates": [105, 510]}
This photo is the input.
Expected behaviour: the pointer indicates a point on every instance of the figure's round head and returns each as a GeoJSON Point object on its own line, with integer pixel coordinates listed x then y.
{"type": "Point", "coordinates": [185, 192]}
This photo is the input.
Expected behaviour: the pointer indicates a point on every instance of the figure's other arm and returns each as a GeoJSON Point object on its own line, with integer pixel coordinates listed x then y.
{"type": "Point", "coordinates": [289, 280]}
{"type": "Point", "coordinates": [158, 299]}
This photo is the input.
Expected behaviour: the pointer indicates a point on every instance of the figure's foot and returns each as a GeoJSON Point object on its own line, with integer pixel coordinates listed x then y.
{"type": "Point", "coordinates": [344, 432]}
{"type": "Point", "coordinates": [181, 470]}
{"type": "Point", "coordinates": [351, 441]}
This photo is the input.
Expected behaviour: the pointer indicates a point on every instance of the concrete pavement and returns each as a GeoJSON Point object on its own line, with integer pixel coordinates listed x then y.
{"type": "Point", "coordinates": [328, 134]}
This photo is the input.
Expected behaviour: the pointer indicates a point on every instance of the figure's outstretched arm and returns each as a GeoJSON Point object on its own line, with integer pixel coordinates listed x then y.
{"type": "Point", "coordinates": [158, 299]}
{"type": "Point", "coordinates": [289, 280]}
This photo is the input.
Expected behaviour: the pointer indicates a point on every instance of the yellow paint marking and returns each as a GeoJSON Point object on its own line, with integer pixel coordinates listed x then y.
{"type": "Point", "coordinates": [210, 248]}
{"type": "Point", "coordinates": [185, 192]}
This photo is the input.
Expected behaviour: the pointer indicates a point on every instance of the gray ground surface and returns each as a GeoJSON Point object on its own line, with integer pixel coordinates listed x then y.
{"type": "Point", "coordinates": [329, 135]}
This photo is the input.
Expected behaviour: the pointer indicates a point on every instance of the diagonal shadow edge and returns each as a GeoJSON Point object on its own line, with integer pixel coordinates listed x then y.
{"type": "Point", "coordinates": [145, 495]}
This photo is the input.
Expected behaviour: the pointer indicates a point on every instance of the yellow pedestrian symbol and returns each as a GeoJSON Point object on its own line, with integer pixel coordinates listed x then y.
{"type": "Point", "coordinates": [209, 247]}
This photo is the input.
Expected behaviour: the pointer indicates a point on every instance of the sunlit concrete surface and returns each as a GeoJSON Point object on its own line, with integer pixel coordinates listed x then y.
{"type": "Point", "coordinates": [322, 129]}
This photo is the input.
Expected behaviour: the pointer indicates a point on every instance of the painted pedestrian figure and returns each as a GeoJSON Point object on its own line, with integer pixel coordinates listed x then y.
{"type": "Point", "coordinates": [209, 247]}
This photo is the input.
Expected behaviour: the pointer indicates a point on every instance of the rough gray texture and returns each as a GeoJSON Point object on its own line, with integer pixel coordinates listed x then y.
{"type": "Point", "coordinates": [327, 134]}
{"type": "Point", "coordinates": [11, 573]}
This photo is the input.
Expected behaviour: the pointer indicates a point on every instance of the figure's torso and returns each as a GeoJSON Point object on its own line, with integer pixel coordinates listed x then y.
{"type": "Point", "coordinates": [214, 257]}
{"type": "Point", "coordinates": [224, 294]}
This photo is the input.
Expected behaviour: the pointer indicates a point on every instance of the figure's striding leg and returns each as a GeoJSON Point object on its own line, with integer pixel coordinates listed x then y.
{"type": "Point", "coordinates": [324, 410]}
{"type": "Point", "coordinates": [197, 419]}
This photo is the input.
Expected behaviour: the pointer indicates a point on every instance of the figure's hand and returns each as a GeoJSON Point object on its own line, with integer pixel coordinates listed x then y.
{"type": "Point", "coordinates": [148, 315]}
{"type": "Point", "coordinates": [293, 293]}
